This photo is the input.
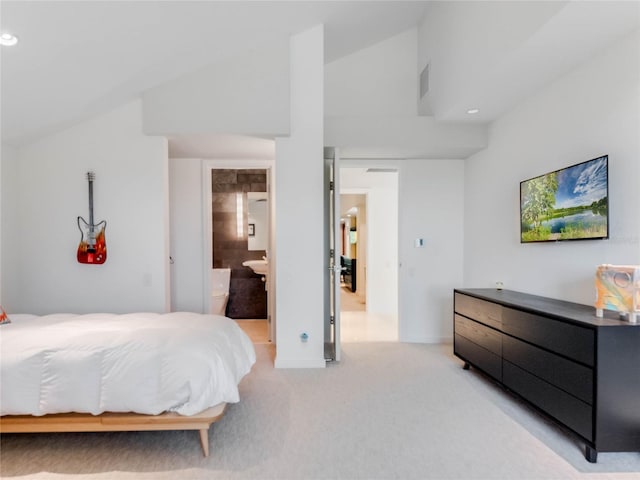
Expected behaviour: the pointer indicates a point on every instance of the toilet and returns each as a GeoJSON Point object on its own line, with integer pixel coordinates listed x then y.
{"type": "Point", "coordinates": [220, 278]}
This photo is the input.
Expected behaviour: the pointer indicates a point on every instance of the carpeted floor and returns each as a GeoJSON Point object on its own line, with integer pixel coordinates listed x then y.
{"type": "Point", "coordinates": [387, 411]}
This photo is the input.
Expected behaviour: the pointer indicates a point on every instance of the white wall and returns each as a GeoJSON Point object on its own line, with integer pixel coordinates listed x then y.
{"type": "Point", "coordinates": [371, 102]}
{"type": "Point", "coordinates": [50, 191]}
{"type": "Point", "coordinates": [431, 207]}
{"type": "Point", "coordinates": [362, 137]}
{"type": "Point", "coordinates": [378, 80]}
{"type": "Point", "coordinates": [591, 111]}
{"type": "Point", "coordinates": [382, 245]}
{"type": "Point", "coordinates": [8, 208]}
{"type": "Point", "coordinates": [243, 95]}
{"type": "Point", "coordinates": [186, 235]}
{"type": "Point", "coordinates": [299, 211]}
{"type": "Point", "coordinates": [460, 39]}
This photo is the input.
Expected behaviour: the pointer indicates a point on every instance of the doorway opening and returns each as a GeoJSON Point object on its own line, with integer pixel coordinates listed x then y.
{"type": "Point", "coordinates": [369, 254]}
{"type": "Point", "coordinates": [239, 241]}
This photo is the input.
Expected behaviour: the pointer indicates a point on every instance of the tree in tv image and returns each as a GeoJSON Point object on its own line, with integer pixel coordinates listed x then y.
{"type": "Point", "coordinates": [567, 204]}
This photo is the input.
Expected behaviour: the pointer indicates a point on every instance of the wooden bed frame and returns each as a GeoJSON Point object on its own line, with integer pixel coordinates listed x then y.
{"type": "Point", "coordinates": [115, 422]}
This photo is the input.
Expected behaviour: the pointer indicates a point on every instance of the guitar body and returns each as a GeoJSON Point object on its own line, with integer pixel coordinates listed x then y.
{"type": "Point", "coordinates": [93, 245]}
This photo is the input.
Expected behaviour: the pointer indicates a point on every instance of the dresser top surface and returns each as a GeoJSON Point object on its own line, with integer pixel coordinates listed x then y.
{"type": "Point", "coordinates": [575, 312]}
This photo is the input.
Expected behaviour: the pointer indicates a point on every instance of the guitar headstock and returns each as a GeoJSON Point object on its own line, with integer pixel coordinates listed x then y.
{"type": "Point", "coordinates": [91, 176]}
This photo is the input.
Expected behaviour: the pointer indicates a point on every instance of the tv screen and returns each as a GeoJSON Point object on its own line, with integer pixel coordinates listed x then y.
{"type": "Point", "coordinates": [568, 204]}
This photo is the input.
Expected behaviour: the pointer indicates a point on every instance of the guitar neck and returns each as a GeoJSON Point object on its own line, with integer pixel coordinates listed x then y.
{"type": "Point", "coordinates": [90, 177]}
{"type": "Point", "coordinates": [91, 202]}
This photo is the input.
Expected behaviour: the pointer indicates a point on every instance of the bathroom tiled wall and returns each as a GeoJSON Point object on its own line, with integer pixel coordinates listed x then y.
{"type": "Point", "coordinates": [247, 296]}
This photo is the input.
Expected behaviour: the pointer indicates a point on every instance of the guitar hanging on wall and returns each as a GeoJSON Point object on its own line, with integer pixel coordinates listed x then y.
{"type": "Point", "coordinates": [93, 245]}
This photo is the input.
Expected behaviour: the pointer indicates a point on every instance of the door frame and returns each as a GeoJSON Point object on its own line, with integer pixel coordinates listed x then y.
{"type": "Point", "coordinates": [207, 223]}
{"type": "Point", "coordinates": [396, 166]}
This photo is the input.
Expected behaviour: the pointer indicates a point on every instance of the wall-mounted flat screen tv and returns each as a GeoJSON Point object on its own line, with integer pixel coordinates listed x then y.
{"type": "Point", "coordinates": [568, 204]}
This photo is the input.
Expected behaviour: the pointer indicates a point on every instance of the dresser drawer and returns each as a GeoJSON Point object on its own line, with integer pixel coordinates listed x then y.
{"type": "Point", "coordinates": [574, 413]}
{"type": "Point", "coordinates": [480, 310]}
{"type": "Point", "coordinates": [482, 358]}
{"type": "Point", "coordinates": [572, 341]}
{"type": "Point", "coordinates": [479, 334]}
{"type": "Point", "coordinates": [569, 376]}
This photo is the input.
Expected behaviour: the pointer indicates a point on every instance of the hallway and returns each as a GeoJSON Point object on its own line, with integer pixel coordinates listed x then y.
{"type": "Point", "coordinates": [356, 325]}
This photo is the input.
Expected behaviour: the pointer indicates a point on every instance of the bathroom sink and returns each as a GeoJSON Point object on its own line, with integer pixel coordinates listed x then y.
{"type": "Point", "coordinates": [261, 267]}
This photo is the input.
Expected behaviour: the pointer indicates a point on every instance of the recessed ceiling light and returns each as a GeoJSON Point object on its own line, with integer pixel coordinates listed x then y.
{"type": "Point", "coordinates": [471, 111]}
{"type": "Point", "coordinates": [8, 40]}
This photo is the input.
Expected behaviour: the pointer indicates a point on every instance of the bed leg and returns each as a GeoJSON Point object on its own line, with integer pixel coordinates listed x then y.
{"type": "Point", "coordinates": [204, 441]}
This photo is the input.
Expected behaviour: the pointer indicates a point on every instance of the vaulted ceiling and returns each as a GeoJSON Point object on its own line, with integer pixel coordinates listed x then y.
{"type": "Point", "coordinates": [77, 59]}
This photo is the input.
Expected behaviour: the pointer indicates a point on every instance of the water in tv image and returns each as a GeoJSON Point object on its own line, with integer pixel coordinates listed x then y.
{"type": "Point", "coordinates": [568, 204]}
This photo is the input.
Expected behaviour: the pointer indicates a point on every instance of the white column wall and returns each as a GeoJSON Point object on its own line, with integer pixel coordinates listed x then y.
{"type": "Point", "coordinates": [299, 211]}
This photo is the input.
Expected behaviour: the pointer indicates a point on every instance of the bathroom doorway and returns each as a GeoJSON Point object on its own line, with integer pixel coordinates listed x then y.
{"type": "Point", "coordinates": [239, 240]}
{"type": "Point", "coordinates": [369, 207]}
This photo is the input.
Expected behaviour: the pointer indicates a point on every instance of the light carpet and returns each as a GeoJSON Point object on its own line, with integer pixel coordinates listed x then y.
{"type": "Point", "coordinates": [387, 411]}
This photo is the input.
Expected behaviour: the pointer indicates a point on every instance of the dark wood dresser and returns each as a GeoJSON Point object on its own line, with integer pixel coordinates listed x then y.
{"type": "Point", "coordinates": [580, 370]}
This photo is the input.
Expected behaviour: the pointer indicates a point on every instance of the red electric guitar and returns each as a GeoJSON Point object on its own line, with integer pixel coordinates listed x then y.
{"type": "Point", "coordinates": [93, 245]}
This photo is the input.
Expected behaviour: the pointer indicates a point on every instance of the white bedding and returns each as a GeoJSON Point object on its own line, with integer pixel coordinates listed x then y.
{"type": "Point", "coordinates": [145, 363]}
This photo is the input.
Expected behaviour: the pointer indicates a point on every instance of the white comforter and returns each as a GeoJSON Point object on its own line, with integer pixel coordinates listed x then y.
{"type": "Point", "coordinates": [144, 362]}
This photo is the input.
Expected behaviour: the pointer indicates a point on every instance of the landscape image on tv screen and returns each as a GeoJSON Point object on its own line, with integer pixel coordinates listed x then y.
{"type": "Point", "coordinates": [568, 204]}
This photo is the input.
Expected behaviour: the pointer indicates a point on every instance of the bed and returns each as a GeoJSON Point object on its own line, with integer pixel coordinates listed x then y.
{"type": "Point", "coordinates": [108, 372]}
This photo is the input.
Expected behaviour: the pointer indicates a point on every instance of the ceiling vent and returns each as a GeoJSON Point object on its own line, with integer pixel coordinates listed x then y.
{"type": "Point", "coordinates": [424, 80]}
